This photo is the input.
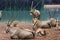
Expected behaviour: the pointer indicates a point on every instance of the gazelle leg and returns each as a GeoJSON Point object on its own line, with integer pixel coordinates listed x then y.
{"type": "Point", "coordinates": [41, 33]}
{"type": "Point", "coordinates": [12, 36]}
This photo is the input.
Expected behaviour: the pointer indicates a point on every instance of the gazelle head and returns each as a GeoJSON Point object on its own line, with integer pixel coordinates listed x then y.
{"type": "Point", "coordinates": [53, 22]}
{"type": "Point", "coordinates": [33, 8]}
{"type": "Point", "coordinates": [51, 18]}
{"type": "Point", "coordinates": [8, 26]}
{"type": "Point", "coordinates": [7, 29]}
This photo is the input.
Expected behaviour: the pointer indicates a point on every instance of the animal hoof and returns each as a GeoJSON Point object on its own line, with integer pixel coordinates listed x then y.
{"type": "Point", "coordinates": [11, 37]}
{"type": "Point", "coordinates": [42, 33]}
{"type": "Point", "coordinates": [58, 28]}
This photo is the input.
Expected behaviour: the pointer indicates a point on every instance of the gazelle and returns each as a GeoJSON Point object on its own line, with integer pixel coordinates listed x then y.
{"type": "Point", "coordinates": [52, 20]}
{"type": "Point", "coordinates": [19, 32]}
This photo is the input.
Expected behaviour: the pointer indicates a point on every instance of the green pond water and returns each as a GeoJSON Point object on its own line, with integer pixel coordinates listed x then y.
{"type": "Point", "coordinates": [24, 15]}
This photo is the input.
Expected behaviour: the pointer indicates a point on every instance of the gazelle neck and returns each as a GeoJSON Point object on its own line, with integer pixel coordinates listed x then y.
{"type": "Point", "coordinates": [57, 23]}
{"type": "Point", "coordinates": [12, 30]}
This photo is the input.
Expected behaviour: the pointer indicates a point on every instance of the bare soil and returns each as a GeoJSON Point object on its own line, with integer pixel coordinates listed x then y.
{"type": "Point", "coordinates": [51, 33]}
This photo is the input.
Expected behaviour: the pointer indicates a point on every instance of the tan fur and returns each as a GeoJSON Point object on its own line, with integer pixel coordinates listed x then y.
{"type": "Point", "coordinates": [35, 13]}
{"type": "Point", "coordinates": [19, 32]}
{"type": "Point", "coordinates": [52, 21]}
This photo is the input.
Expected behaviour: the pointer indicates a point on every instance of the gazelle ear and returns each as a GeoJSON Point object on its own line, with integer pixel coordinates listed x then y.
{"type": "Point", "coordinates": [30, 13]}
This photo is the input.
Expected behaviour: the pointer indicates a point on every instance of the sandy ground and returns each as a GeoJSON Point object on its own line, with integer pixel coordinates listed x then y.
{"type": "Point", "coordinates": [51, 33]}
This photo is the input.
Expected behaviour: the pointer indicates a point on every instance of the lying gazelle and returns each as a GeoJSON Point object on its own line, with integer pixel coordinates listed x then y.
{"type": "Point", "coordinates": [36, 13]}
{"type": "Point", "coordinates": [19, 32]}
{"type": "Point", "coordinates": [40, 24]}
{"type": "Point", "coordinates": [52, 22]}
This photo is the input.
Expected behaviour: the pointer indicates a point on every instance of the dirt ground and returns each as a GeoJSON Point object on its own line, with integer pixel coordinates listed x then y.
{"type": "Point", "coordinates": [51, 33]}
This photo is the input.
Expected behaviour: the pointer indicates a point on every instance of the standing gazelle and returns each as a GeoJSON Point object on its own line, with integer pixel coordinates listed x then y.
{"type": "Point", "coordinates": [19, 32]}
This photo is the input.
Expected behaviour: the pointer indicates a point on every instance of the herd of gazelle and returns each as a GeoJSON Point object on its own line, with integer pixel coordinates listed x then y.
{"type": "Point", "coordinates": [20, 32]}
{"type": "Point", "coordinates": [37, 26]}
